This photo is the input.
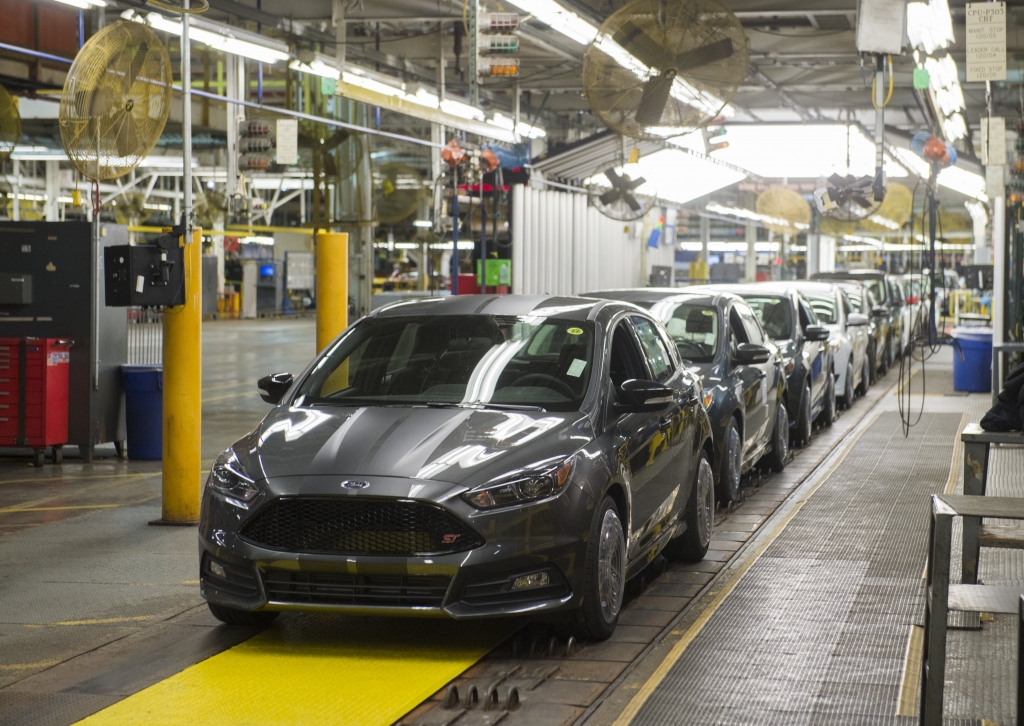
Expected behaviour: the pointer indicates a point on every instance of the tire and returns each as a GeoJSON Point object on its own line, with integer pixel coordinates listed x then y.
{"type": "Point", "coordinates": [779, 454]}
{"type": "Point", "coordinates": [604, 575]}
{"type": "Point", "coordinates": [872, 366]}
{"type": "Point", "coordinates": [828, 406]}
{"type": "Point", "coordinates": [848, 392]}
{"type": "Point", "coordinates": [692, 545]}
{"type": "Point", "coordinates": [729, 489]}
{"type": "Point", "coordinates": [802, 434]}
{"type": "Point", "coordinates": [231, 616]}
{"type": "Point", "coordinates": [886, 356]}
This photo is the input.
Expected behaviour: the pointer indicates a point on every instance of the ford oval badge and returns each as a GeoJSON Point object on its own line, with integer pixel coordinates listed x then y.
{"type": "Point", "coordinates": [355, 484]}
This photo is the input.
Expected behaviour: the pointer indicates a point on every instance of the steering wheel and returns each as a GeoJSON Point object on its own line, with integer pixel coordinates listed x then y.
{"type": "Point", "coordinates": [560, 385]}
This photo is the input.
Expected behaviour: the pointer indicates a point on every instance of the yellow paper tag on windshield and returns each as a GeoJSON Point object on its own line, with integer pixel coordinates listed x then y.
{"type": "Point", "coordinates": [575, 331]}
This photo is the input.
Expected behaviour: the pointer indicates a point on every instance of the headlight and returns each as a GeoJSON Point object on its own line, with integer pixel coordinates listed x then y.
{"type": "Point", "coordinates": [521, 489]}
{"type": "Point", "coordinates": [229, 481]}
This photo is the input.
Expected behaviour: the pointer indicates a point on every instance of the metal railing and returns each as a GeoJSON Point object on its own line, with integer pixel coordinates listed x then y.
{"type": "Point", "coordinates": [145, 336]}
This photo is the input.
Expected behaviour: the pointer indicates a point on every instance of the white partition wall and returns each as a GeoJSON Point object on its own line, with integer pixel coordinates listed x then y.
{"type": "Point", "coordinates": [561, 246]}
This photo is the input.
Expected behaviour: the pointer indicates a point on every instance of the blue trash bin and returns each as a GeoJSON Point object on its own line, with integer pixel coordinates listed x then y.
{"type": "Point", "coordinates": [974, 372]}
{"type": "Point", "coordinates": [144, 411]}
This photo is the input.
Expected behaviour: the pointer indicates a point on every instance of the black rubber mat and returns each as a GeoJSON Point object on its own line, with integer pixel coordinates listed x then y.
{"type": "Point", "coordinates": [816, 631]}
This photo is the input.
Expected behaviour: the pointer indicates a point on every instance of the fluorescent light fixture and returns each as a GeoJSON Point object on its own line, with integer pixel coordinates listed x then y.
{"type": "Point", "coordinates": [468, 245]}
{"type": "Point", "coordinates": [677, 176]}
{"type": "Point", "coordinates": [929, 25]}
{"type": "Point", "coordinates": [977, 212]}
{"type": "Point", "coordinates": [802, 151]}
{"type": "Point", "coordinates": [565, 21]}
{"type": "Point", "coordinates": [966, 182]}
{"type": "Point", "coordinates": [319, 66]}
{"type": "Point", "coordinates": [522, 129]}
{"type": "Point", "coordinates": [406, 246]}
{"type": "Point", "coordinates": [911, 161]}
{"type": "Point", "coordinates": [260, 240]}
{"type": "Point", "coordinates": [954, 127]}
{"type": "Point", "coordinates": [748, 214]}
{"type": "Point", "coordinates": [730, 246]}
{"type": "Point", "coordinates": [423, 223]}
{"type": "Point", "coordinates": [875, 243]}
{"type": "Point", "coordinates": [47, 155]}
{"type": "Point", "coordinates": [462, 110]}
{"type": "Point", "coordinates": [373, 85]}
{"type": "Point", "coordinates": [883, 222]}
{"type": "Point", "coordinates": [84, 4]}
{"type": "Point", "coordinates": [225, 38]}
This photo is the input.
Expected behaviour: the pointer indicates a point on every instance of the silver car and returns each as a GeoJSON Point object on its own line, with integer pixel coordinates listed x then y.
{"type": "Point", "coordinates": [849, 336]}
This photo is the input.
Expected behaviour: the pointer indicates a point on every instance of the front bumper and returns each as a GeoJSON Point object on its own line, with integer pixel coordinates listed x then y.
{"type": "Point", "coordinates": [544, 537]}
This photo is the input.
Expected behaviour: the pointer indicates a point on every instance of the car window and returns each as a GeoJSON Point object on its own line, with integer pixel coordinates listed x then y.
{"type": "Point", "coordinates": [456, 360]}
{"type": "Point", "coordinates": [847, 307]}
{"type": "Point", "coordinates": [626, 360]}
{"type": "Point", "coordinates": [659, 360]}
{"type": "Point", "coordinates": [737, 334]}
{"type": "Point", "coordinates": [775, 315]}
{"type": "Point", "coordinates": [896, 294]}
{"type": "Point", "coordinates": [877, 289]}
{"type": "Point", "coordinates": [751, 326]}
{"type": "Point", "coordinates": [807, 316]}
{"type": "Point", "coordinates": [694, 329]}
{"type": "Point", "coordinates": [825, 307]}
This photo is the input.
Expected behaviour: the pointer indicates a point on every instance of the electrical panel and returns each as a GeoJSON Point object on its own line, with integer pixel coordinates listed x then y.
{"type": "Point", "coordinates": [15, 288]}
{"type": "Point", "coordinates": [144, 275]}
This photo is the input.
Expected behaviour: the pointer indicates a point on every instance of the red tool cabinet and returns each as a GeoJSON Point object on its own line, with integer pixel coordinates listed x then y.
{"type": "Point", "coordinates": [34, 394]}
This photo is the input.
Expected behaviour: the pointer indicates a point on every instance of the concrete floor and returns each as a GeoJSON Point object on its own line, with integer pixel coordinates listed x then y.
{"type": "Point", "coordinates": [95, 605]}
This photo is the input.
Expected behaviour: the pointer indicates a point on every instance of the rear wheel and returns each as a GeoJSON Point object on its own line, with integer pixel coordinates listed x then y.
{"type": "Point", "coordinates": [692, 545]}
{"type": "Point", "coordinates": [231, 616]}
{"type": "Point", "coordinates": [848, 393]}
{"type": "Point", "coordinates": [605, 575]}
{"type": "Point", "coordinates": [780, 440]}
{"type": "Point", "coordinates": [865, 378]}
{"type": "Point", "coordinates": [828, 405]}
{"type": "Point", "coordinates": [729, 489]}
{"type": "Point", "coordinates": [884, 358]}
{"type": "Point", "coordinates": [802, 435]}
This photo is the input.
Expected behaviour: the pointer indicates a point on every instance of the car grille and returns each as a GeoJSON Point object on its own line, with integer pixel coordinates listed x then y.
{"type": "Point", "coordinates": [358, 526]}
{"type": "Point", "coordinates": [325, 588]}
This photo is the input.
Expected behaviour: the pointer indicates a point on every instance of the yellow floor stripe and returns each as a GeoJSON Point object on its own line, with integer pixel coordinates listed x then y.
{"type": "Point", "coordinates": [690, 634]}
{"type": "Point", "coordinates": [314, 670]}
{"type": "Point", "coordinates": [14, 510]}
{"type": "Point", "coordinates": [910, 681]}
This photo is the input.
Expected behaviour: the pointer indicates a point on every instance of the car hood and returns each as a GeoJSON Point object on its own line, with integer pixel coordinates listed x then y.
{"type": "Point", "coordinates": [455, 445]}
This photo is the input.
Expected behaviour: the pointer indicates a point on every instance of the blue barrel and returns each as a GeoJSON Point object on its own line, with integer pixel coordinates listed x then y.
{"type": "Point", "coordinates": [974, 372]}
{"type": "Point", "coordinates": [144, 411]}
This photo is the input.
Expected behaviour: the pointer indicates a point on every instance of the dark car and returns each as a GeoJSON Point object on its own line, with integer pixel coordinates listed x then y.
{"type": "Point", "coordinates": [466, 457]}
{"type": "Point", "coordinates": [741, 368]}
{"type": "Point", "coordinates": [889, 302]}
{"type": "Point", "coordinates": [790, 321]}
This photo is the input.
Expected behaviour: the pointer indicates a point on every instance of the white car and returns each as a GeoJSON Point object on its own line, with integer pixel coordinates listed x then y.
{"type": "Point", "coordinates": [849, 336]}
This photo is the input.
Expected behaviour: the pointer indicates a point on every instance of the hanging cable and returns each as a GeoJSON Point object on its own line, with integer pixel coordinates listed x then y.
{"type": "Point", "coordinates": [887, 98]}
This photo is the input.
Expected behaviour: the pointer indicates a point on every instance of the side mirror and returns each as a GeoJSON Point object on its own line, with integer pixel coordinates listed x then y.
{"type": "Point", "coordinates": [857, 319]}
{"type": "Point", "coordinates": [750, 354]}
{"type": "Point", "coordinates": [880, 311]}
{"type": "Point", "coordinates": [273, 387]}
{"type": "Point", "coordinates": [816, 333]}
{"type": "Point", "coordinates": [638, 396]}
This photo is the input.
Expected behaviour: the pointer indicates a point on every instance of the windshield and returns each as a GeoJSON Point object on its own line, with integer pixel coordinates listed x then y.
{"type": "Point", "coordinates": [856, 297]}
{"type": "Point", "coordinates": [471, 360]}
{"type": "Point", "coordinates": [824, 307]}
{"type": "Point", "coordinates": [775, 314]}
{"type": "Point", "coordinates": [694, 329]}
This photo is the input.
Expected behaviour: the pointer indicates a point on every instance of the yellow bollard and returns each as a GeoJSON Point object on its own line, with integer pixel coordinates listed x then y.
{"type": "Point", "coordinates": [331, 286]}
{"type": "Point", "coordinates": [182, 397]}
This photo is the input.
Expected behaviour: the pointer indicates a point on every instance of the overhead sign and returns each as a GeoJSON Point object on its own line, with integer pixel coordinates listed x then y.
{"type": "Point", "coordinates": [986, 41]}
{"type": "Point", "coordinates": [881, 26]}
{"type": "Point", "coordinates": [287, 141]}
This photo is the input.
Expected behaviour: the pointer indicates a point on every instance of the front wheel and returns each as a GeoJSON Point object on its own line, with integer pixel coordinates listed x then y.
{"type": "Point", "coordinates": [865, 379]}
{"type": "Point", "coordinates": [231, 616]}
{"type": "Point", "coordinates": [692, 545]}
{"type": "Point", "coordinates": [779, 454]}
{"type": "Point", "coordinates": [605, 575]}
{"type": "Point", "coordinates": [802, 435]}
{"type": "Point", "coordinates": [828, 405]}
{"type": "Point", "coordinates": [848, 393]}
{"type": "Point", "coordinates": [729, 489]}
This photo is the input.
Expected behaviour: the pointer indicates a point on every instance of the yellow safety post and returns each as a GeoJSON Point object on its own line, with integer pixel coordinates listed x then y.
{"type": "Point", "coordinates": [331, 286]}
{"type": "Point", "coordinates": [182, 396]}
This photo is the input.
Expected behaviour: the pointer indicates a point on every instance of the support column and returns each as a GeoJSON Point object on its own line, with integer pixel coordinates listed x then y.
{"type": "Point", "coordinates": [331, 287]}
{"type": "Point", "coordinates": [998, 271]}
{"type": "Point", "coordinates": [813, 254]}
{"type": "Point", "coordinates": [750, 263]}
{"type": "Point", "coordinates": [182, 396]}
{"type": "Point", "coordinates": [364, 186]}
{"type": "Point", "coordinates": [51, 211]}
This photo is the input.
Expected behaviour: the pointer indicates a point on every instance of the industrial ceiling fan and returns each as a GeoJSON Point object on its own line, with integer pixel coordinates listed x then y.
{"type": "Point", "coordinates": [661, 68]}
{"type": "Point", "coordinates": [620, 202]}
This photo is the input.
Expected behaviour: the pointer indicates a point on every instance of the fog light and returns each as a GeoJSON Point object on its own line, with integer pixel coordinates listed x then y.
{"type": "Point", "coordinates": [217, 569]}
{"type": "Point", "coordinates": [537, 579]}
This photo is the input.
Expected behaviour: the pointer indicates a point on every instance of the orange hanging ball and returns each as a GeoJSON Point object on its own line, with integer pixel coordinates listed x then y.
{"type": "Point", "coordinates": [935, 151]}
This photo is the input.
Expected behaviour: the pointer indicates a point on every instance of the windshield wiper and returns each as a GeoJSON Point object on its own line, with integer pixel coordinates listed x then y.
{"type": "Point", "coordinates": [498, 406]}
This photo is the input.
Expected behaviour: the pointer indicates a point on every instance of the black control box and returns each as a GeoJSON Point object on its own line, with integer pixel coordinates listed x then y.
{"type": "Point", "coordinates": [144, 275]}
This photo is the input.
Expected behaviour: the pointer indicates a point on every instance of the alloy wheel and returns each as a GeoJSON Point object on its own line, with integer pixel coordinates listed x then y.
{"type": "Point", "coordinates": [733, 454]}
{"type": "Point", "coordinates": [611, 566]}
{"type": "Point", "coordinates": [705, 502]}
{"type": "Point", "coordinates": [782, 432]}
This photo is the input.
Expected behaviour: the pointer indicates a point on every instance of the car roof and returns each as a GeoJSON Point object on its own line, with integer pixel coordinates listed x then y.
{"type": "Point", "coordinates": [814, 286]}
{"type": "Point", "coordinates": [850, 275]}
{"type": "Point", "coordinates": [563, 306]}
{"type": "Point", "coordinates": [765, 289]}
{"type": "Point", "coordinates": [698, 294]}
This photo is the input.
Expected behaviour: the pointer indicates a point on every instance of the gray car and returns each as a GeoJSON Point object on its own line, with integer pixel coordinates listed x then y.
{"type": "Point", "coordinates": [742, 371]}
{"type": "Point", "coordinates": [465, 457]}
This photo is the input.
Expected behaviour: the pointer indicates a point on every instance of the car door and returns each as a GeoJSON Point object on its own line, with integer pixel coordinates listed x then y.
{"type": "Point", "coordinates": [763, 414]}
{"type": "Point", "coordinates": [665, 451]}
{"type": "Point", "coordinates": [750, 381]}
{"type": "Point", "coordinates": [643, 455]}
{"type": "Point", "coordinates": [857, 335]}
{"type": "Point", "coordinates": [814, 352]}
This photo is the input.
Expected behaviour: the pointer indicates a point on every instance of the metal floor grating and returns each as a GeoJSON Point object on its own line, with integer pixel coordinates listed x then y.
{"type": "Point", "coordinates": [816, 631]}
